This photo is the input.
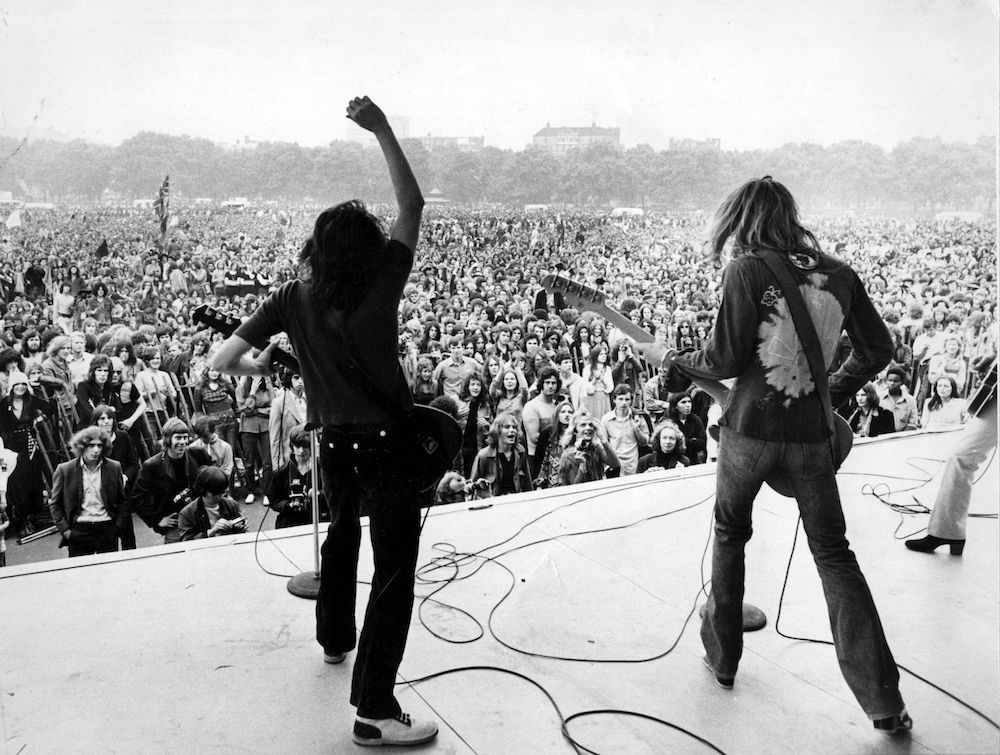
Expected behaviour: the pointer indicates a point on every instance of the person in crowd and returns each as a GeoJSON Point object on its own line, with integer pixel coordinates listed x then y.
{"type": "Point", "coordinates": [79, 358]}
{"type": "Point", "coordinates": [668, 450]}
{"type": "Point", "coordinates": [540, 411]}
{"type": "Point", "coordinates": [96, 389]}
{"type": "Point", "coordinates": [450, 375]}
{"type": "Point", "coordinates": [771, 410]}
{"type": "Point", "coordinates": [627, 431]}
{"type": "Point", "coordinates": [162, 478]}
{"type": "Point", "coordinates": [598, 383]}
{"type": "Point", "coordinates": [209, 511]}
{"type": "Point", "coordinates": [949, 363]}
{"type": "Point", "coordinates": [951, 505]}
{"type": "Point", "coordinates": [656, 396]}
{"type": "Point", "coordinates": [501, 467]}
{"type": "Point", "coordinates": [288, 411]}
{"type": "Point", "coordinates": [32, 350]}
{"type": "Point", "coordinates": [549, 449]}
{"type": "Point", "coordinates": [869, 420]}
{"type": "Point", "coordinates": [21, 413]}
{"type": "Point", "coordinates": [219, 451]}
{"type": "Point", "coordinates": [628, 370]}
{"type": "Point", "coordinates": [87, 502]}
{"type": "Point", "coordinates": [123, 451]}
{"type": "Point", "coordinates": [57, 379]}
{"type": "Point", "coordinates": [509, 391]}
{"type": "Point", "coordinates": [157, 390]}
{"type": "Point", "coordinates": [215, 397]}
{"type": "Point", "coordinates": [571, 383]}
{"type": "Point", "coordinates": [682, 414]}
{"type": "Point", "coordinates": [423, 388]}
{"type": "Point", "coordinates": [475, 414]}
{"type": "Point", "coordinates": [10, 361]}
{"type": "Point", "coordinates": [357, 275]}
{"type": "Point", "coordinates": [587, 453]}
{"type": "Point", "coordinates": [254, 398]}
{"type": "Point", "coordinates": [899, 401]}
{"type": "Point", "coordinates": [944, 410]}
{"type": "Point", "coordinates": [63, 302]}
{"type": "Point", "coordinates": [290, 492]}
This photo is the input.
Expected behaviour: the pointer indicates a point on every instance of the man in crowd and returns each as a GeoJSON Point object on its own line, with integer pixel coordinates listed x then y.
{"type": "Point", "coordinates": [162, 478]}
{"type": "Point", "coordinates": [626, 430]}
{"type": "Point", "coordinates": [540, 412]}
{"type": "Point", "coordinates": [450, 375]}
{"type": "Point", "coordinates": [88, 501]}
{"type": "Point", "coordinates": [899, 401]}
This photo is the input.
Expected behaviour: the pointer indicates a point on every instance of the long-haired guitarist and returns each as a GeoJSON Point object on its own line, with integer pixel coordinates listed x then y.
{"type": "Point", "coordinates": [775, 422]}
{"type": "Point", "coordinates": [353, 280]}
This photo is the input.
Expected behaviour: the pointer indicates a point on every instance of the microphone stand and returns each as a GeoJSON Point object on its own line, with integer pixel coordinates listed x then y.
{"type": "Point", "coordinates": [306, 584]}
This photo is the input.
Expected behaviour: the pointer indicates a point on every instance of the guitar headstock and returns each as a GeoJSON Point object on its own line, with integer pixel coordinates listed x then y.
{"type": "Point", "coordinates": [576, 294]}
{"type": "Point", "coordinates": [216, 320]}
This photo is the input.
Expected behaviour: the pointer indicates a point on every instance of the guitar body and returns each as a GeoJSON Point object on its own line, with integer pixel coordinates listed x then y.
{"type": "Point", "coordinates": [586, 298]}
{"type": "Point", "coordinates": [438, 436]}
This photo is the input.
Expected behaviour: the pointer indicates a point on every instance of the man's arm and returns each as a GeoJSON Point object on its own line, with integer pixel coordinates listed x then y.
{"type": "Point", "coordinates": [369, 116]}
{"type": "Point", "coordinates": [871, 347]}
{"type": "Point", "coordinates": [233, 358]}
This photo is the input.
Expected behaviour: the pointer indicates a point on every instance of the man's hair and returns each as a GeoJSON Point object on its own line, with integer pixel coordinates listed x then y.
{"type": "Point", "coordinates": [548, 371]}
{"type": "Point", "coordinates": [620, 390]}
{"type": "Point", "coordinates": [493, 434]}
{"type": "Point", "coordinates": [761, 214]}
{"type": "Point", "coordinates": [203, 426]}
{"type": "Point", "coordinates": [103, 410]}
{"type": "Point", "coordinates": [900, 371]}
{"type": "Point", "coordinates": [343, 254]}
{"type": "Point", "coordinates": [210, 480]}
{"type": "Point", "coordinates": [172, 427]}
{"type": "Point", "coordinates": [561, 356]}
{"type": "Point", "coordinates": [82, 438]}
{"type": "Point", "coordinates": [299, 436]}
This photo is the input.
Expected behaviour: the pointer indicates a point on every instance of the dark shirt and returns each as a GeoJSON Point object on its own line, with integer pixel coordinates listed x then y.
{"type": "Point", "coordinates": [371, 330]}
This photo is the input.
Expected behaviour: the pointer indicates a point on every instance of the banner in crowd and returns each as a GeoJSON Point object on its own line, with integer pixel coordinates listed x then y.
{"type": "Point", "coordinates": [14, 219]}
{"type": "Point", "coordinates": [162, 205]}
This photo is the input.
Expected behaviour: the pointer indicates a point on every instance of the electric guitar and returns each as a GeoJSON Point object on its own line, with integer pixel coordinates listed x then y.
{"type": "Point", "coordinates": [986, 390]}
{"type": "Point", "coordinates": [590, 299]}
{"type": "Point", "coordinates": [438, 435]}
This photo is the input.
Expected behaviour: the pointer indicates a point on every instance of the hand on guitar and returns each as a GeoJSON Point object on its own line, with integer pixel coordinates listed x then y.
{"type": "Point", "coordinates": [654, 351]}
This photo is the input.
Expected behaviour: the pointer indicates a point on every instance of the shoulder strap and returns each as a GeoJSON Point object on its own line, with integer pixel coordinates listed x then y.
{"type": "Point", "coordinates": [807, 334]}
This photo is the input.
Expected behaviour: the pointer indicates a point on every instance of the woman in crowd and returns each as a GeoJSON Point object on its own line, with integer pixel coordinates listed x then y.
{"type": "Point", "coordinates": [944, 410]}
{"type": "Point", "coordinates": [10, 361]}
{"type": "Point", "coordinates": [475, 413]}
{"type": "Point", "coordinates": [95, 390]}
{"type": "Point", "coordinates": [949, 363]}
{"type": "Point", "coordinates": [423, 388]}
{"type": "Point", "coordinates": [509, 391]}
{"type": "Point", "coordinates": [549, 449]}
{"type": "Point", "coordinates": [598, 382]}
{"type": "Point", "coordinates": [587, 452]}
{"type": "Point", "coordinates": [215, 396]}
{"type": "Point", "coordinates": [868, 420]}
{"type": "Point", "coordinates": [99, 305]}
{"type": "Point", "coordinates": [125, 351]}
{"type": "Point", "coordinates": [157, 390]}
{"type": "Point", "coordinates": [682, 415]}
{"type": "Point", "coordinates": [502, 466]}
{"type": "Point", "coordinates": [668, 450]}
{"type": "Point", "coordinates": [21, 411]}
{"type": "Point", "coordinates": [579, 347]}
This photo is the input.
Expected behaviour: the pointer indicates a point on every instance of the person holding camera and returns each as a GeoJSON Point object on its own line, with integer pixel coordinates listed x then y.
{"type": "Point", "coordinates": [290, 492]}
{"type": "Point", "coordinates": [587, 452]}
{"type": "Point", "coordinates": [209, 511]}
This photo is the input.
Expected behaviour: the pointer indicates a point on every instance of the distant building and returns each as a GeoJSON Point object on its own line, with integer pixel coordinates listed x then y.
{"type": "Point", "coordinates": [461, 143]}
{"type": "Point", "coordinates": [696, 145]}
{"type": "Point", "coordinates": [558, 140]}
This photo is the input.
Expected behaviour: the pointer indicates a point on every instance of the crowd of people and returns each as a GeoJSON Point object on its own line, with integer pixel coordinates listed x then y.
{"type": "Point", "coordinates": [101, 335]}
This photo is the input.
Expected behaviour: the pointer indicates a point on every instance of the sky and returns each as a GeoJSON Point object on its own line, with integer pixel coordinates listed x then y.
{"type": "Point", "coordinates": [755, 75]}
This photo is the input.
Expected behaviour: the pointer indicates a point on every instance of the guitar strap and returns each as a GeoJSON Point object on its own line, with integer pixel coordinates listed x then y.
{"type": "Point", "coordinates": [807, 336]}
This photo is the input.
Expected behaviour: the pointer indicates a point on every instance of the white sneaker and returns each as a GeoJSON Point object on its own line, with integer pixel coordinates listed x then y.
{"type": "Point", "coordinates": [249, 499]}
{"type": "Point", "coordinates": [401, 730]}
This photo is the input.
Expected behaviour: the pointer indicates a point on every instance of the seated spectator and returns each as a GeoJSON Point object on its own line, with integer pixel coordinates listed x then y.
{"type": "Point", "coordinates": [210, 512]}
{"type": "Point", "coordinates": [943, 410]}
{"type": "Point", "coordinates": [290, 491]}
{"type": "Point", "coordinates": [869, 420]}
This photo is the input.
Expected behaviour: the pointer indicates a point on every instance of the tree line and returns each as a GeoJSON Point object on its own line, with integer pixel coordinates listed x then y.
{"type": "Point", "coordinates": [921, 173]}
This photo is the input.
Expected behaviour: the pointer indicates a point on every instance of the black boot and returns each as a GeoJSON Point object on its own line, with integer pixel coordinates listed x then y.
{"type": "Point", "coordinates": [930, 543]}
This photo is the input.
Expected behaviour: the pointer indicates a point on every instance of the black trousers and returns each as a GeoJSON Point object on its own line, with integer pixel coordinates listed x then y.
{"type": "Point", "coordinates": [363, 470]}
{"type": "Point", "coordinates": [98, 537]}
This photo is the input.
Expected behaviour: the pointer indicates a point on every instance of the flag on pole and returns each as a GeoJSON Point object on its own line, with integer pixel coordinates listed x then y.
{"type": "Point", "coordinates": [14, 219]}
{"type": "Point", "coordinates": [162, 205]}
{"type": "Point", "coordinates": [102, 250]}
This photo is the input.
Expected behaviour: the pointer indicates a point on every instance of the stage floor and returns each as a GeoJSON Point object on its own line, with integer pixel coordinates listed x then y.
{"type": "Point", "coordinates": [587, 594]}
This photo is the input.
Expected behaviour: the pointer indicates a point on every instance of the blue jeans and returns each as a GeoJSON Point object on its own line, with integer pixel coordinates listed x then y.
{"type": "Point", "coordinates": [361, 474]}
{"type": "Point", "coordinates": [862, 651]}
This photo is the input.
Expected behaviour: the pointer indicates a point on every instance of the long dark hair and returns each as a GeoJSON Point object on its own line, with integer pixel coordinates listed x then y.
{"type": "Point", "coordinates": [761, 214]}
{"type": "Point", "coordinates": [936, 402]}
{"type": "Point", "coordinates": [342, 256]}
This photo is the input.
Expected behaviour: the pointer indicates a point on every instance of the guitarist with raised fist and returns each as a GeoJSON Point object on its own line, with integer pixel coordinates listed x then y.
{"type": "Point", "coordinates": [778, 420]}
{"type": "Point", "coordinates": [341, 319]}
